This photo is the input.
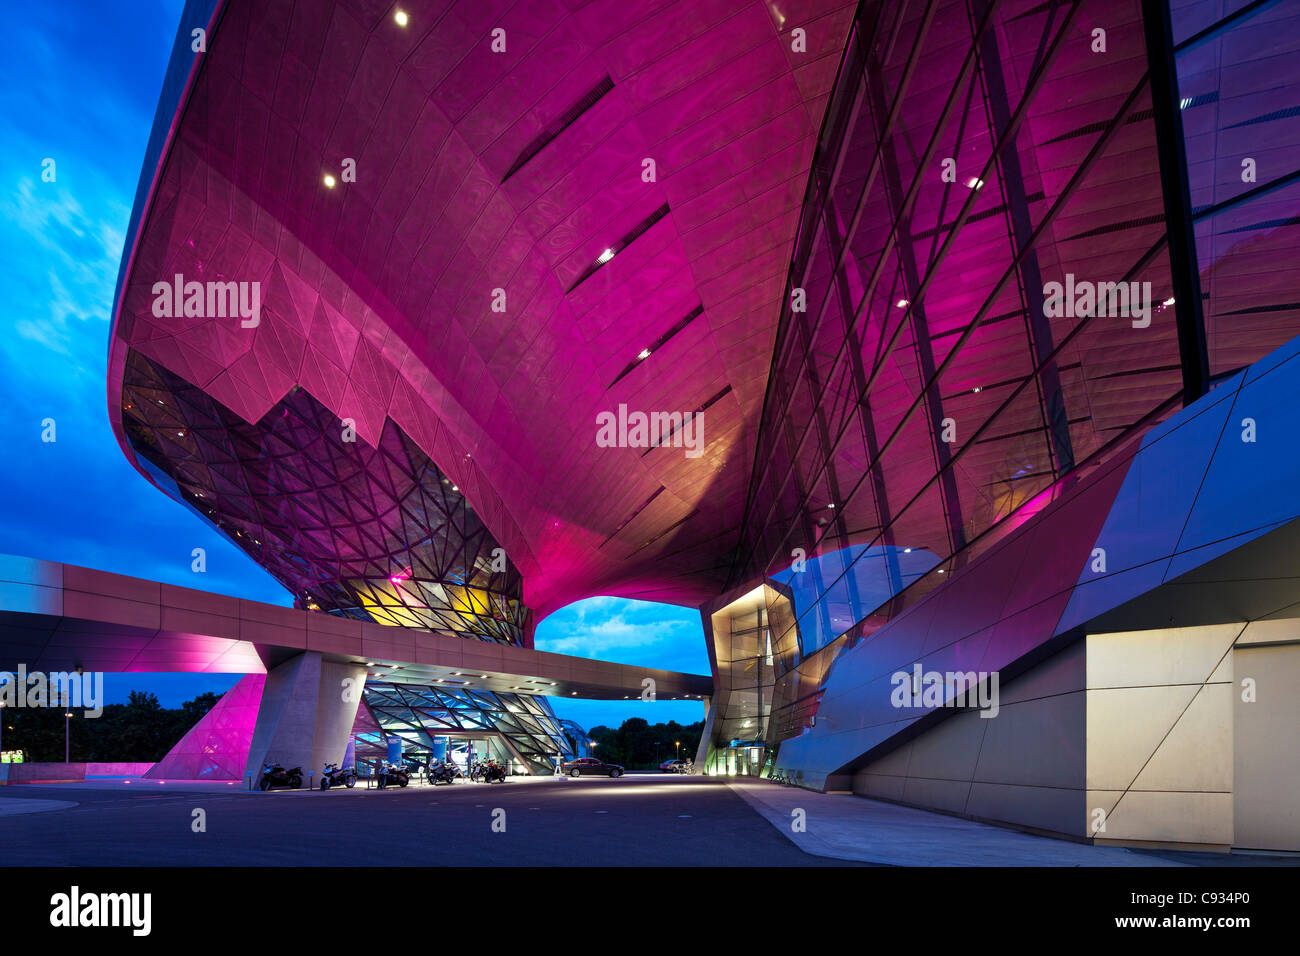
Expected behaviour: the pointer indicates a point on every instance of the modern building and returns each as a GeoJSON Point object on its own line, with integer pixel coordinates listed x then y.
{"type": "Point", "coordinates": [942, 353]}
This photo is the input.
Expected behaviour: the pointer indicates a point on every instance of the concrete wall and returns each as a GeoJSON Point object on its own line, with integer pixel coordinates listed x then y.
{"type": "Point", "coordinates": [1160, 735]}
{"type": "Point", "coordinates": [1266, 809]}
{"type": "Point", "coordinates": [1025, 766]}
{"type": "Point", "coordinates": [36, 772]}
{"type": "Point", "coordinates": [305, 717]}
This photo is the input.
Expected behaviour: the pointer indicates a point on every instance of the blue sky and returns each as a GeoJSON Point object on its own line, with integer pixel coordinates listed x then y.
{"type": "Point", "coordinates": [79, 83]}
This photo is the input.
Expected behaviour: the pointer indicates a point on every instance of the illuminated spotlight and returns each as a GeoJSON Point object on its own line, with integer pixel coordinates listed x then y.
{"type": "Point", "coordinates": [977, 389]}
{"type": "Point", "coordinates": [831, 505]}
{"type": "Point", "coordinates": [401, 18]}
{"type": "Point", "coordinates": [643, 354]}
{"type": "Point", "coordinates": [329, 181]}
{"type": "Point", "coordinates": [605, 256]}
{"type": "Point", "coordinates": [941, 571]}
{"type": "Point", "coordinates": [1185, 102]}
{"type": "Point", "coordinates": [1168, 301]}
{"type": "Point", "coordinates": [974, 183]}
{"type": "Point", "coordinates": [907, 550]}
{"type": "Point", "coordinates": [901, 304]}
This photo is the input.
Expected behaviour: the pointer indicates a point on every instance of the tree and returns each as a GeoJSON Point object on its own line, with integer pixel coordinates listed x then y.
{"type": "Point", "coordinates": [633, 744]}
{"type": "Point", "coordinates": [139, 731]}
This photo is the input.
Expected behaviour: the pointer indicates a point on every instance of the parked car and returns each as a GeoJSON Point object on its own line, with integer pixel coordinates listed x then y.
{"type": "Point", "coordinates": [590, 765]}
{"type": "Point", "coordinates": [673, 766]}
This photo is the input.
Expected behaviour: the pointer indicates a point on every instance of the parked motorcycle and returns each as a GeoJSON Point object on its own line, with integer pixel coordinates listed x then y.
{"type": "Point", "coordinates": [273, 775]}
{"type": "Point", "coordinates": [335, 776]}
{"type": "Point", "coordinates": [489, 771]}
{"type": "Point", "coordinates": [393, 774]}
{"type": "Point", "coordinates": [444, 771]}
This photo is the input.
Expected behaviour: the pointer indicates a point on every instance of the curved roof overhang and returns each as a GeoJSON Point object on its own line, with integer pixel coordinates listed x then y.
{"type": "Point", "coordinates": [479, 171]}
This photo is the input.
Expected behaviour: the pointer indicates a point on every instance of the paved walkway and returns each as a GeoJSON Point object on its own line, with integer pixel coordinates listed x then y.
{"type": "Point", "coordinates": [846, 827]}
{"type": "Point", "coordinates": [661, 820]}
{"type": "Point", "coordinates": [17, 805]}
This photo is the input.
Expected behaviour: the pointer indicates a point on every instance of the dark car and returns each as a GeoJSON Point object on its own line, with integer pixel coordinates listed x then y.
{"type": "Point", "coordinates": [590, 765]}
{"type": "Point", "coordinates": [673, 766]}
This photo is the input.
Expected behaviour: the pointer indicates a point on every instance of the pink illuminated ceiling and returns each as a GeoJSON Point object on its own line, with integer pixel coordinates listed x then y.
{"type": "Point", "coordinates": [377, 293]}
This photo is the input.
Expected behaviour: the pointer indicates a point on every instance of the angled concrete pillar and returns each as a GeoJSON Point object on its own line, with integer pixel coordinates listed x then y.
{"type": "Point", "coordinates": [305, 720]}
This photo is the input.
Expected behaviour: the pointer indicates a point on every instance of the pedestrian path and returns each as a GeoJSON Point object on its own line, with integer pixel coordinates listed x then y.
{"type": "Point", "coordinates": [846, 827]}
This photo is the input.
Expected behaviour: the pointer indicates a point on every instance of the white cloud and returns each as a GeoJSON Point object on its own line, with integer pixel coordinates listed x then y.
{"type": "Point", "coordinates": [601, 627]}
{"type": "Point", "coordinates": [82, 252]}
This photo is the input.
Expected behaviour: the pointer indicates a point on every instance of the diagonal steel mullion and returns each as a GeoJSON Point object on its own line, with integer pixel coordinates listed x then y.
{"type": "Point", "coordinates": [967, 207]}
{"type": "Point", "coordinates": [861, 206]}
{"type": "Point", "coordinates": [1038, 328]}
{"type": "Point", "coordinates": [1098, 148]}
{"type": "Point", "coordinates": [1047, 220]}
{"type": "Point", "coordinates": [1143, 261]}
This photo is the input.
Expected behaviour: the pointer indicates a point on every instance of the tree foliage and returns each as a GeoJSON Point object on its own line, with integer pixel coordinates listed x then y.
{"type": "Point", "coordinates": [139, 731]}
{"type": "Point", "coordinates": [640, 745]}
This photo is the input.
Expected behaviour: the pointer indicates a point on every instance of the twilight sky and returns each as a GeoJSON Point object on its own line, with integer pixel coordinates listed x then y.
{"type": "Point", "coordinates": [79, 82]}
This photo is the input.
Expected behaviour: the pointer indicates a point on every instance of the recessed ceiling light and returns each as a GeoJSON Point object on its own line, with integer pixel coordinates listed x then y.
{"type": "Point", "coordinates": [1168, 301]}
{"type": "Point", "coordinates": [401, 18]}
{"type": "Point", "coordinates": [329, 181]}
{"type": "Point", "coordinates": [974, 183]}
{"type": "Point", "coordinates": [643, 354]}
{"type": "Point", "coordinates": [977, 389]}
{"type": "Point", "coordinates": [901, 304]}
{"type": "Point", "coordinates": [605, 256]}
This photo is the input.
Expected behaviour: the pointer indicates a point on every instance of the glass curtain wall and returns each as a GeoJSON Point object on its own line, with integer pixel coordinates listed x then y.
{"type": "Point", "coordinates": [979, 311]}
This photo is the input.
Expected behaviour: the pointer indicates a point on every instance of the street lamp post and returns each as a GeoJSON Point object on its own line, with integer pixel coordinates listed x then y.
{"type": "Point", "coordinates": [679, 749]}
{"type": "Point", "coordinates": [67, 735]}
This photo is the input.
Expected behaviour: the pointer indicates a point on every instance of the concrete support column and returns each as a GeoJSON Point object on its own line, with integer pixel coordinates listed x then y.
{"type": "Point", "coordinates": [305, 719]}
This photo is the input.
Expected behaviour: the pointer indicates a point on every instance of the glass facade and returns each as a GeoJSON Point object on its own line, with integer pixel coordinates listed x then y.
{"type": "Point", "coordinates": [378, 534]}
{"type": "Point", "coordinates": [517, 729]}
{"type": "Point", "coordinates": [1236, 75]}
{"type": "Point", "coordinates": [981, 304]}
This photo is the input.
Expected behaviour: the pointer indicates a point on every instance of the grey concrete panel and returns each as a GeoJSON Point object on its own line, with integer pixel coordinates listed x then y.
{"type": "Point", "coordinates": [1044, 808]}
{"type": "Point", "coordinates": [1266, 755]}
